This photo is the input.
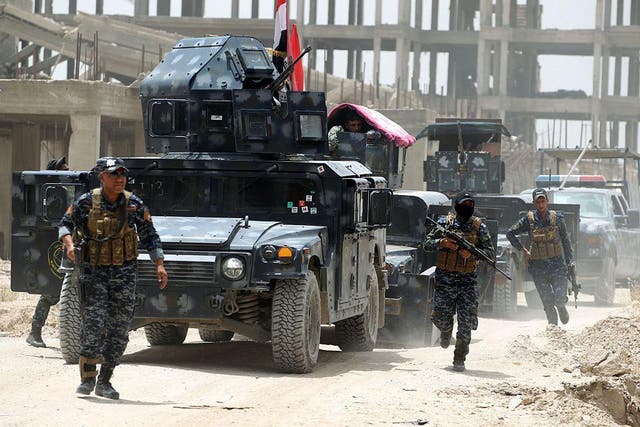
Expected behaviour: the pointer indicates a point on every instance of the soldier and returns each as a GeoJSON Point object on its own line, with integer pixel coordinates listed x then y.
{"type": "Point", "coordinates": [549, 239]}
{"type": "Point", "coordinates": [46, 301]}
{"type": "Point", "coordinates": [106, 223]}
{"type": "Point", "coordinates": [455, 291]}
{"type": "Point", "coordinates": [352, 123]}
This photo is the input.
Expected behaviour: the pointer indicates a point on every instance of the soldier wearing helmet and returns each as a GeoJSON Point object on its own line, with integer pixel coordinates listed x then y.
{"type": "Point", "coordinates": [455, 291]}
{"type": "Point", "coordinates": [107, 223]}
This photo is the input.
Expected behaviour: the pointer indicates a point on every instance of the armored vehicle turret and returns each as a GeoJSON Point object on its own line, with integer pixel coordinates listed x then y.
{"type": "Point", "coordinates": [263, 235]}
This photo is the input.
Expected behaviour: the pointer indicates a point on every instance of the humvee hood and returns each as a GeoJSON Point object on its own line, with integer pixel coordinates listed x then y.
{"type": "Point", "coordinates": [201, 230]}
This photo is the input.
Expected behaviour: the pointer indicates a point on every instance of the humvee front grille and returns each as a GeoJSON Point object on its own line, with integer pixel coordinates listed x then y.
{"type": "Point", "coordinates": [182, 270]}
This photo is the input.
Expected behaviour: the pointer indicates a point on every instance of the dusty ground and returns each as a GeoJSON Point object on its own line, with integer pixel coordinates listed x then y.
{"type": "Point", "coordinates": [519, 373]}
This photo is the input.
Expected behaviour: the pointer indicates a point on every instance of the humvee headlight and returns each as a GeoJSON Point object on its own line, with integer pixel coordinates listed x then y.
{"type": "Point", "coordinates": [285, 254]}
{"type": "Point", "coordinates": [269, 252]}
{"type": "Point", "coordinates": [233, 268]}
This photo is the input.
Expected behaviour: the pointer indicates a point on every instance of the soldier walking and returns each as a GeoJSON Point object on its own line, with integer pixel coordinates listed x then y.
{"type": "Point", "coordinates": [549, 240]}
{"type": "Point", "coordinates": [455, 275]}
{"type": "Point", "coordinates": [46, 301]}
{"type": "Point", "coordinates": [106, 224]}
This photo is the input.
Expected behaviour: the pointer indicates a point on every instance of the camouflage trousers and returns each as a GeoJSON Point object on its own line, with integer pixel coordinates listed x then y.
{"type": "Point", "coordinates": [552, 288]}
{"type": "Point", "coordinates": [451, 298]}
{"type": "Point", "coordinates": [107, 312]}
{"type": "Point", "coordinates": [42, 310]}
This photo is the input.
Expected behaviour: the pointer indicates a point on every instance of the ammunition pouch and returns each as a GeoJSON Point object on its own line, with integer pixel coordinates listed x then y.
{"type": "Point", "coordinates": [545, 241]}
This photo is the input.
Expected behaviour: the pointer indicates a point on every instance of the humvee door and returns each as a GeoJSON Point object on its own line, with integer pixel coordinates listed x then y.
{"type": "Point", "coordinates": [39, 200]}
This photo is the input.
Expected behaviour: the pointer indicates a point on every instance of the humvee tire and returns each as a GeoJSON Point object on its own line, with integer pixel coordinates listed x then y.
{"type": "Point", "coordinates": [159, 334]}
{"type": "Point", "coordinates": [69, 319]}
{"type": "Point", "coordinates": [359, 333]}
{"type": "Point", "coordinates": [505, 295]}
{"type": "Point", "coordinates": [214, 335]}
{"type": "Point", "coordinates": [605, 293]}
{"type": "Point", "coordinates": [295, 324]}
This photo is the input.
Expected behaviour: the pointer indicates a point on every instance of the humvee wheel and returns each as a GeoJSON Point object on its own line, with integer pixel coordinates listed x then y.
{"type": "Point", "coordinates": [295, 324]}
{"type": "Point", "coordinates": [606, 292]}
{"type": "Point", "coordinates": [159, 334]}
{"type": "Point", "coordinates": [505, 294]}
{"type": "Point", "coordinates": [70, 319]}
{"type": "Point", "coordinates": [359, 333]}
{"type": "Point", "coordinates": [214, 335]}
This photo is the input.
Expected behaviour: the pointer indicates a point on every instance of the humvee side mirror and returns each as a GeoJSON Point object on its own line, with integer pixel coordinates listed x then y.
{"type": "Point", "coordinates": [633, 218]}
{"type": "Point", "coordinates": [55, 201]}
{"type": "Point", "coordinates": [379, 208]}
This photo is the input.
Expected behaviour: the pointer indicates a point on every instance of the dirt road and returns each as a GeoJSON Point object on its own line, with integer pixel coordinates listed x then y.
{"type": "Point", "coordinates": [515, 375]}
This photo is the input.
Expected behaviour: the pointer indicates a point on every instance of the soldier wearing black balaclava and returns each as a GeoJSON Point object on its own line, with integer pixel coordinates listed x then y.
{"type": "Point", "coordinates": [455, 275]}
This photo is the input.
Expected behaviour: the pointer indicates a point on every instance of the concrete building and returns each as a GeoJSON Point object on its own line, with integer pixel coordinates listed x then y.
{"type": "Point", "coordinates": [491, 49]}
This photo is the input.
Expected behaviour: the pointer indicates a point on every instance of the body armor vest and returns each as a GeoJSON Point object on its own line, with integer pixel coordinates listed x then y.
{"type": "Point", "coordinates": [545, 241]}
{"type": "Point", "coordinates": [111, 240]}
{"type": "Point", "coordinates": [451, 260]}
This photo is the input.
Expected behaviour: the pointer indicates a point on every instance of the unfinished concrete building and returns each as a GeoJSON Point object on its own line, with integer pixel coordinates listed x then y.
{"type": "Point", "coordinates": [489, 53]}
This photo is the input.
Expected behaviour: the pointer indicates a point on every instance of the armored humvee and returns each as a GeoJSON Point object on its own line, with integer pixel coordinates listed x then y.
{"type": "Point", "coordinates": [263, 234]}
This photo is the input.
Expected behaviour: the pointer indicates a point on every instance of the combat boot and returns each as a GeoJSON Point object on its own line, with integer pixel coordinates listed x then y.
{"type": "Point", "coordinates": [460, 355]}
{"type": "Point", "coordinates": [35, 338]}
{"type": "Point", "coordinates": [552, 315]}
{"type": "Point", "coordinates": [88, 374]}
{"type": "Point", "coordinates": [104, 387]}
{"type": "Point", "coordinates": [445, 339]}
{"type": "Point", "coordinates": [564, 314]}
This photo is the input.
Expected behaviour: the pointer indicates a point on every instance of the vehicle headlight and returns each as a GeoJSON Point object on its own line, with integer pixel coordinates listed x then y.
{"type": "Point", "coordinates": [233, 268]}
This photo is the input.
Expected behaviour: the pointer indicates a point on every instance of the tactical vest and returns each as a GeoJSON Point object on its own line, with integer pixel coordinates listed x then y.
{"type": "Point", "coordinates": [545, 241]}
{"type": "Point", "coordinates": [450, 260]}
{"type": "Point", "coordinates": [111, 241]}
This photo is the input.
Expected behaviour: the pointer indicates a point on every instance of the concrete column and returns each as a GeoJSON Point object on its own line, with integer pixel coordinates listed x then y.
{"type": "Point", "coordinates": [607, 14]}
{"type": "Point", "coordinates": [192, 8]}
{"type": "Point", "coordinates": [73, 7]}
{"type": "Point", "coordinates": [506, 13]}
{"type": "Point", "coordinates": [351, 64]}
{"type": "Point", "coordinates": [379, 12]}
{"type": "Point", "coordinates": [300, 12]}
{"type": "Point", "coordinates": [482, 78]}
{"type": "Point", "coordinates": [415, 78]}
{"type": "Point", "coordinates": [48, 7]}
{"type": "Point", "coordinates": [235, 9]}
{"type": "Point", "coordinates": [453, 15]}
{"type": "Point", "coordinates": [418, 17]}
{"type": "Point", "coordinates": [164, 8]}
{"type": "Point", "coordinates": [404, 14]}
{"type": "Point", "coordinates": [141, 8]}
{"type": "Point", "coordinates": [255, 9]}
{"type": "Point", "coordinates": [331, 19]}
{"type": "Point", "coordinates": [359, 12]}
{"type": "Point", "coordinates": [435, 10]}
{"type": "Point", "coordinates": [634, 69]}
{"type": "Point", "coordinates": [377, 46]}
{"type": "Point", "coordinates": [631, 131]}
{"type": "Point", "coordinates": [352, 12]}
{"type": "Point", "coordinates": [313, 12]}
{"type": "Point", "coordinates": [328, 66]}
{"type": "Point", "coordinates": [504, 68]}
{"type": "Point", "coordinates": [84, 144]}
{"type": "Point", "coordinates": [433, 68]}
{"type": "Point", "coordinates": [6, 168]}
{"type": "Point", "coordinates": [485, 13]}
{"type": "Point", "coordinates": [402, 62]}
{"type": "Point", "coordinates": [358, 64]}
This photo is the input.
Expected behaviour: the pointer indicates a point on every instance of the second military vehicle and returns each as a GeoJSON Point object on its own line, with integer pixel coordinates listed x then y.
{"type": "Point", "coordinates": [263, 234]}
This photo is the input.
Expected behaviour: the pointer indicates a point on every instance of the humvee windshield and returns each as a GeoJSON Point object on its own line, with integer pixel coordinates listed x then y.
{"type": "Point", "coordinates": [227, 195]}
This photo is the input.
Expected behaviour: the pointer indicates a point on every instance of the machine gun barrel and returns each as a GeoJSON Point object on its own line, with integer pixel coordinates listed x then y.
{"type": "Point", "coordinates": [575, 286]}
{"type": "Point", "coordinates": [465, 244]}
{"type": "Point", "coordinates": [279, 81]}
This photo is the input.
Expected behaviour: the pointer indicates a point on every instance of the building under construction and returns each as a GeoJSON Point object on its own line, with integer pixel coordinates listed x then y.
{"type": "Point", "coordinates": [489, 51]}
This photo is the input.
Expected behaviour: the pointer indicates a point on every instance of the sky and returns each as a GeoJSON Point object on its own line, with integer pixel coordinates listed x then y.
{"type": "Point", "coordinates": [556, 72]}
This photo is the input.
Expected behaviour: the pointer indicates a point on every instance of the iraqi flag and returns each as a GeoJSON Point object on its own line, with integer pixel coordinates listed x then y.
{"type": "Point", "coordinates": [297, 77]}
{"type": "Point", "coordinates": [280, 35]}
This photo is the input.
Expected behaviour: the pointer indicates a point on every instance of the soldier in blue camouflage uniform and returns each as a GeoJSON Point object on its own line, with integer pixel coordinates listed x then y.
{"type": "Point", "coordinates": [46, 301]}
{"type": "Point", "coordinates": [455, 275]}
{"type": "Point", "coordinates": [549, 240]}
{"type": "Point", "coordinates": [109, 221]}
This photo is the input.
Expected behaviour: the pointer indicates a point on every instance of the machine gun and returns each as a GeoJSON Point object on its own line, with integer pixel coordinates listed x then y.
{"type": "Point", "coordinates": [575, 286]}
{"type": "Point", "coordinates": [279, 81]}
{"type": "Point", "coordinates": [466, 245]}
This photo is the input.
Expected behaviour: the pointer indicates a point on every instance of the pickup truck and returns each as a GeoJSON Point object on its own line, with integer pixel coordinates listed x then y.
{"type": "Point", "coordinates": [609, 239]}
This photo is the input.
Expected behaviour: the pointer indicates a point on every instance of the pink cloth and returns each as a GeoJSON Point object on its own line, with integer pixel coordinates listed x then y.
{"type": "Point", "coordinates": [387, 127]}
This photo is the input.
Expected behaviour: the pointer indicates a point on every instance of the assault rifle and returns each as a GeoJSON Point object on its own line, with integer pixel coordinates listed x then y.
{"type": "Point", "coordinates": [575, 286]}
{"type": "Point", "coordinates": [466, 245]}
{"type": "Point", "coordinates": [275, 85]}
